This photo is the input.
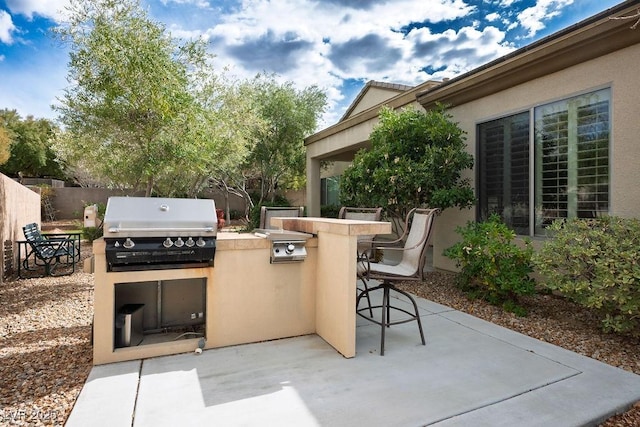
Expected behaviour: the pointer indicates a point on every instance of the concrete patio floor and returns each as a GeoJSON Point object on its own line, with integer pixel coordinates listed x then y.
{"type": "Point", "coordinates": [470, 373]}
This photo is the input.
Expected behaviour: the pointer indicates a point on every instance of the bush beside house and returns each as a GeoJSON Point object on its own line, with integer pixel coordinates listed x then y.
{"type": "Point", "coordinates": [593, 262]}
{"type": "Point", "coordinates": [493, 266]}
{"type": "Point", "coordinates": [596, 263]}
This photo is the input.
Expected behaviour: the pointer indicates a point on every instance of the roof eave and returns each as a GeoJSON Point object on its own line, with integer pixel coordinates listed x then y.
{"type": "Point", "coordinates": [589, 39]}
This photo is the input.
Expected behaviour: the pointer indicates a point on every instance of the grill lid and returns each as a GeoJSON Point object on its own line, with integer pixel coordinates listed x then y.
{"type": "Point", "coordinates": [150, 216]}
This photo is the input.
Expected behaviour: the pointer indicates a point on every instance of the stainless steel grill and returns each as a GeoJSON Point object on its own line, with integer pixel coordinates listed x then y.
{"type": "Point", "coordinates": [286, 246]}
{"type": "Point", "coordinates": [143, 233]}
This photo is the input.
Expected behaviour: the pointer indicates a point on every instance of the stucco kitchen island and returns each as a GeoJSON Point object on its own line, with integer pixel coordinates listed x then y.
{"type": "Point", "coordinates": [246, 298]}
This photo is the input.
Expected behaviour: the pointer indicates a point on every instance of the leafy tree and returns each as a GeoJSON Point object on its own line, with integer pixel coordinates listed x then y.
{"type": "Point", "coordinates": [416, 159]}
{"type": "Point", "coordinates": [5, 146]}
{"type": "Point", "coordinates": [278, 158]}
{"type": "Point", "coordinates": [131, 100]}
{"type": "Point", "coordinates": [30, 146]}
{"type": "Point", "coordinates": [221, 140]}
{"type": "Point", "coordinates": [81, 169]}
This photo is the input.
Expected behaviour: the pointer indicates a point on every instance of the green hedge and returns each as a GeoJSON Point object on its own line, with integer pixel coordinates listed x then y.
{"type": "Point", "coordinates": [596, 263]}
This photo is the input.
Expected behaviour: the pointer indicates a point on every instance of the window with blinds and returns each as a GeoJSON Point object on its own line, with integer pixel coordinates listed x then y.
{"type": "Point", "coordinates": [503, 169]}
{"type": "Point", "coordinates": [572, 158]}
{"type": "Point", "coordinates": [571, 163]}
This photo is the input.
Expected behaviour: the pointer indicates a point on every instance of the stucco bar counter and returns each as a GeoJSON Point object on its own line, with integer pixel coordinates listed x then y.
{"type": "Point", "coordinates": [248, 299]}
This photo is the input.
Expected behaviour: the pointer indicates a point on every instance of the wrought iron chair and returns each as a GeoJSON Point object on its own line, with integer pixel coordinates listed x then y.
{"type": "Point", "coordinates": [268, 212]}
{"type": "Point", "coordinates": [365, 242]}
{"type": "Point", "coordinates": [50, 251]}
{"type": "Point", "coordinates": [418, 229]}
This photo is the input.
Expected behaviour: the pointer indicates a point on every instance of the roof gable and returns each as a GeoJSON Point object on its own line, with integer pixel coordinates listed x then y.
{"type": "Point", "coordinates": [373, 93]}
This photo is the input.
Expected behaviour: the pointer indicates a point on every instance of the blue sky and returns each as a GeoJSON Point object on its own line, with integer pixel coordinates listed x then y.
{"type": "Point", "coordinates": [337, 45]}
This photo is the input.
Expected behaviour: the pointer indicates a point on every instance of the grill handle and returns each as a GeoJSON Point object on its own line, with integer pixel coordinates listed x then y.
{"type": "Point", "coordinates": [163, 229]}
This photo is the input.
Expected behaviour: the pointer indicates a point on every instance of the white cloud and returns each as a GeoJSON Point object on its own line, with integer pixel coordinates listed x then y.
{"type": "Point", "coordinates": [533, 18]}
{"type": "Point", "coordinates": [323, 42]}
{"type": "Point", "coordinates": [6, 28]}
{"type": "Point", "coordinates": [455, 52]}
{"type": "Point", "coordinates": [203, 4]}
{"type": "Point", "coordinates": [52, 9]}
{"type": "Point", "coordinates": [302, 40]}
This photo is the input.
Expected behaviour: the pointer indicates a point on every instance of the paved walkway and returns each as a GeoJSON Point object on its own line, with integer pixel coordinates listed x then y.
{"type": "Point", "coordinates": [470, 373]}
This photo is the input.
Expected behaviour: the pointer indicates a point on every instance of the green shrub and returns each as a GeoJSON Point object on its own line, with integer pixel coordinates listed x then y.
{"type": "Point", "coordinates": [91, 233]}
{"type": "Point", "coordinates": [492, 265]}
{"type": "Point", "coordinates": [329, 211]}
{"type": "Point", "coordinates": [596, 263]}
{"type": "Point", "coordinates": [236, 214]}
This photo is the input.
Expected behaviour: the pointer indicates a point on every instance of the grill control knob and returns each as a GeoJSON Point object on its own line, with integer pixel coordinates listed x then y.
{"type": "Point", "coordinates": [167, 243]}
{"type": "Point", "coordinates": [128, 243]}
{"type": "Point", "coordinates": [290, 248]}
{"type": "Point", "coordinates": [190, 242]}
{"type": "Point", "coordinates": [116, 244]}
{"type": "Point", "coordinates": [179, 243]}
{"type": "Point", "coordinates": [200, 242]}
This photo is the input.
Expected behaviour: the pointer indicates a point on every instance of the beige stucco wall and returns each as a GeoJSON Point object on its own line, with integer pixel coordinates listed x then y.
{"type": "Point", "coordinates": [334, 169]}
{"type": "Point", "coordinates": [243, 304]}
{"type": "Point", "coordinates": [69, 202]}
{"type": "Point", "coordinates": [18, 206]}
{"type": "Point", "coordinates": [617, 70]}
{"type": "Point", "coordinates": [247, 298]}
{"type": "Point", "coordinates": [375, 95]}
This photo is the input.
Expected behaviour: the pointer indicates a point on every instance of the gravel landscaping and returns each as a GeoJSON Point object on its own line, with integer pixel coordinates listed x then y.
{"type": "Point", "coordinates": [45, 350]}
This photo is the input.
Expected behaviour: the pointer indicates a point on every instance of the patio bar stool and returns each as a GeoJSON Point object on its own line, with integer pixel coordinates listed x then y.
{"type": "Point", "coordinates": [365, 242]}
{"type": "Point", "coordinates": [418, 230]}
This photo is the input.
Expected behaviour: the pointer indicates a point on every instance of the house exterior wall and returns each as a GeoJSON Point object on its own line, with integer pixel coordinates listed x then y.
{"type": "Point", "coordinates": [334, 169]}
{"type": "Point", "coordinates": [618, 71]}
{"type": "Point", "coordinates": [373, 97]}
{"type": "Point", "coordinates": [597, 53]}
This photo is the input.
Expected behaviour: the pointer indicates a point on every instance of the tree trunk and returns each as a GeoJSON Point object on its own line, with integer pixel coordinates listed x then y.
{"type": "Point", "coordinates": [149, 187]}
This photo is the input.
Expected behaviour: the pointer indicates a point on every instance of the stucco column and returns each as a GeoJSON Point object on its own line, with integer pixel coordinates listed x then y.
{"type": "Point", "coordinates": [313, 186]}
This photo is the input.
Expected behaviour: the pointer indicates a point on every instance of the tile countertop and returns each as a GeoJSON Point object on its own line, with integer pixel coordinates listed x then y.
{"type": "Point", "coordinates": [349, 227]}
{"type": "Point", "coordinates": [231, 240]}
